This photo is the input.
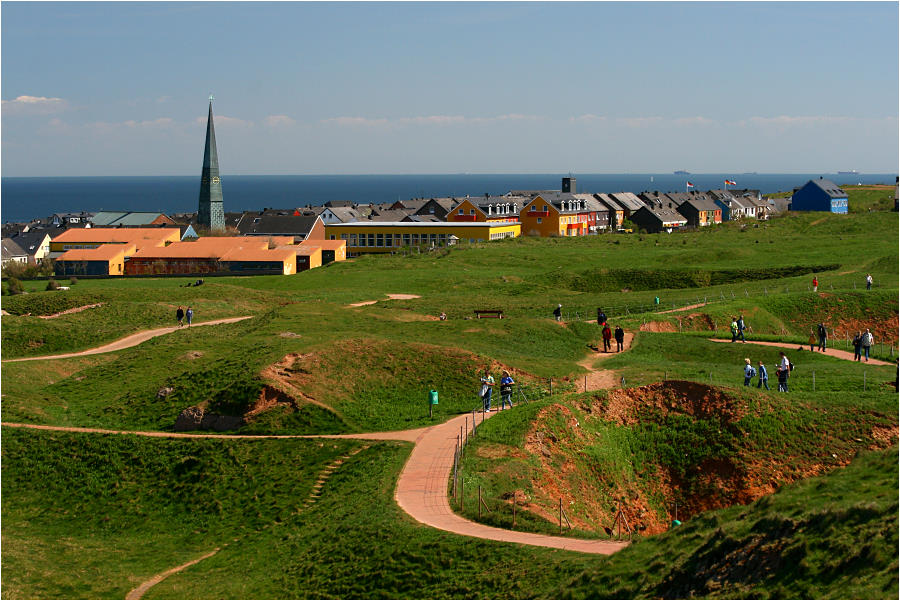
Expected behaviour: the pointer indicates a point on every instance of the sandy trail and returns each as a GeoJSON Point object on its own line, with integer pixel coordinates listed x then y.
{"type": "Point", "coordinates": [791, 348]}
{"type": "Point", "coordinates": [129, 341]}
{"type": "Point", "coordinates": [70, 311]}
{"type": "Point", "coordinates": [600, 379]}
{"type": "Point", "coordinates": [687, 308]}
{"type": "Point", "coordinates": [390, 297]}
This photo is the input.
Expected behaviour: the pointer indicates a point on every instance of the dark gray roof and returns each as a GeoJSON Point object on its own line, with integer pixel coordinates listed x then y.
{"type": "Point", "coordinates": [277, 225]}
{"type": "Point", "coordinates": [30, 241]}
{"type": "Point", "coordinates": [338, 203]}
{"type": "Point", "coordinates": [627, 200]}
{"type": "Point", "coordinates": [388, 215]}
{"type": "Point", "coordinates": [666, 214]}
{"type": "Point", "coordinates": [422, 219]}
{"type": "Point", "coordinates": [607, 201]}
{"type": "Point", "coordinates": [829, 187]}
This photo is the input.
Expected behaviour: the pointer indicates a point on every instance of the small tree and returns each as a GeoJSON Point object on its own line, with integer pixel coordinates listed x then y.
{"type": "Point", "coordinates": [52, 284]}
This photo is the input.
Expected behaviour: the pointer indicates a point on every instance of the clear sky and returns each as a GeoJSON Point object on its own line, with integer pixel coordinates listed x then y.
{"type": "Point", "coordinates": [537, 87]}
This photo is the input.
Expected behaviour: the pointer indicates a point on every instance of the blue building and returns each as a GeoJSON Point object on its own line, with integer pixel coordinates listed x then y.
{"type": "Point", "coordinates": [820, 195]}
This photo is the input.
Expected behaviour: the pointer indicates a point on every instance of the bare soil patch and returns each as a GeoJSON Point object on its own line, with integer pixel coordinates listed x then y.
{"type": "Point", "coordinates": [658, 326]}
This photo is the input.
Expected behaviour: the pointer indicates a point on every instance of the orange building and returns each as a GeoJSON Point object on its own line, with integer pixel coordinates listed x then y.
{"type": "Point", "coordinates": [332, 250]}
{"type": "Point", "coordinates": [556, 214]}
{"type": "Point", "coordinates": [79, 238]}
{"type": "Point", "coordinates": [217, 254]}
{"type": "Point", "coordinates": [489, 209]}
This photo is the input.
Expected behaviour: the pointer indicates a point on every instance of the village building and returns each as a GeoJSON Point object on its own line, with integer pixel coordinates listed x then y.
{"type": "Point", "coordinates": [129, 219]}
{"type": "Point", "coordinates": [106, 259]}
{"type": "Point", "coordinates": [35, 243]}
{"type": "Point", "coordinates": [366, 237]}
{"type": "Point", "coordinates": [12, 252]}
{"type": "Point", "coordinates": [820, 195]}
{"type": "Point", "coordinates": [628, 201]}
{"type": "Point", "coordinates": [659, 219]}
{"type": "Point", "coordinates": [438, 207]}
{"type": "Point", "coordinates": [555, 214]}
{"type": "Point", "coordinates": [700, 210]}
{"type": "Point", "coordinates": [487, 209]}
{"type": "Point", "coordinates": [296, 225]}
{"type": "Point", "coordinates": [614, 211]}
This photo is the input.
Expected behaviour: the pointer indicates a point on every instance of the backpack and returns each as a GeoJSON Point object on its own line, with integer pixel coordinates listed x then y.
{"type": "Point", "coordinates": [790, 365]}
{"type": "Point", "coordinates": [752, 372]}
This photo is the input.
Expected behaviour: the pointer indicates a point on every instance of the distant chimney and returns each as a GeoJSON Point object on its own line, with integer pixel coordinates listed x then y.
{"type": "Point", "coordinates": [568, 185]}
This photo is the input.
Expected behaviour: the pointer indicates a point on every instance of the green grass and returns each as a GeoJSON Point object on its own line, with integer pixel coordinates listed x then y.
{"type": "Point", "coordinates": [372, 366]}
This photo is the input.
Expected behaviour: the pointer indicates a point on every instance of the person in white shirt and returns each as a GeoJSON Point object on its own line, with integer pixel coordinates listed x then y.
{"type": "Point", "coordinates": [785, 367]}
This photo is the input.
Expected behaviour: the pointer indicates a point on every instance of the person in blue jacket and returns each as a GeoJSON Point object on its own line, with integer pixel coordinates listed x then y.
{"type": "Point", "coordinates": [749, 372]}
{"type": "Point", "coordinates": [506, 389]}
{"type": "Point", "coordinates": [763, 377]}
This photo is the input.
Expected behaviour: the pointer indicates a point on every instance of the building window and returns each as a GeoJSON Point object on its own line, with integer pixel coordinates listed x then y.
{"type": "Point", "coordinates": [352, 239]}
{"type": "Point", "coordinates": [332, 236]}
{"type": "Point", "coordinates": [371, 239]}
{"type": "Point", "coordinates": [462, 212]}
{"type": "Point", "coordinates": [406, 239]}
{"type": "Point", "coordinates": [540, 220]}
{"type": "Point", "coordinates": [379, 239]}
{"type": "Point", "coordinates": [471, 211]}
{"type": "Point", "coordinates": [545, 208]}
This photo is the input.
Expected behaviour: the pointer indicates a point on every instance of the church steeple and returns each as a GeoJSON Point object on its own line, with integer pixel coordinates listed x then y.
{"type": "Point", "coordinates": [210, 212]}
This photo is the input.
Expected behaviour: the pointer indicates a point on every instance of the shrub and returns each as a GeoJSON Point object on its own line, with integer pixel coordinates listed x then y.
{"type": "Point", "coordinates": [52, 284]}
{"type": "Point", "coordinates": [15, 286]}
{"type": "Point", "coordinates": [73, 280]}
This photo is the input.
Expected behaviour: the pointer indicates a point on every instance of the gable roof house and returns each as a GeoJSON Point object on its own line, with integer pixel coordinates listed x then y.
{"type": "Point", "coordinates": [12, 252]}
{"type": "Point", "coordinates": [340, 215]}
{"type": "Point", "coordinates": [700, 210]}
{"type": "Point", "coordinates": [614, 211]}
{"type": "Point", "coordinates": [628, 201]}
{"type": "Point", "coordinates": [35, 243]}
{"type": "Point", "coordinates": [487, 209]}
{"type": "Point", "coordinates": [299, 227]}
{"type": "Point", "coordinates": [659, 219]}
{"type": "Point", "coordinates": [555, 214]}
{"type": "Point", "coordinates": [820, 195]}
{"type": "Point", "coordinates": [439, 207]}
{"type": "Point", "coordinates": [129, 219]}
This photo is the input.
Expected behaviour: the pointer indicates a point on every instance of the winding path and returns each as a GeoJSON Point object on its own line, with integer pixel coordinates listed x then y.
{"type": "Point", "coordinates": [129, 341]}
{"type": "Point", "coordinates": [831, 352]}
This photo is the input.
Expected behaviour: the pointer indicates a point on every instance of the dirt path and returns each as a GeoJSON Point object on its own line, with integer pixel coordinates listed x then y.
{"type": "Point", "coordinates": [390, 296]}
{"type": "Point", "coordinates": [70, 311]}
{"type": "Point", "coordinates": [599, 379]}
{"type": "Point", "coordinates": [689, 307]}
{"type": "Point", "coordinates": [791, 347]}
{"type": "Point", "coordinates": [141, 590]}
{"type": "Point", "coordinates": [129, 341]}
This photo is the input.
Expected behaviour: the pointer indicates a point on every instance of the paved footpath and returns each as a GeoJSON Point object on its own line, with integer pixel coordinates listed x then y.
{"type": "Point", "coordinates": [129, 341]}
{"type": "Point", "coordinates": [792, 347]}
{"type": "Point", "coordinates": [422, 484]}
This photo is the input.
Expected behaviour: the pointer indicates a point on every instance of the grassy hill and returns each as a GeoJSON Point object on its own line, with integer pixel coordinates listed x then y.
{"type": "Point", "coordinates": [125, 508]}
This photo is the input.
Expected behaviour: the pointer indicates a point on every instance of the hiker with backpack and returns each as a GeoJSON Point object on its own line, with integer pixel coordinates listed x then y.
{"type": "Point", "coordinates": [867, 342]}
{"type": "Point", "coordinates": [741, 327]}
{"type": "Point", "coordinates": [749, 372]}
{"type": "Point", "coordinates": [857, 346]}
{"type": "Point", "coordinates": [823, 336]}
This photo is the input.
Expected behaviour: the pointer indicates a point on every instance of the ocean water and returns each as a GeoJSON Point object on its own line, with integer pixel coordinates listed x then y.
{"type": "Point", "coordinates": [25, 198]}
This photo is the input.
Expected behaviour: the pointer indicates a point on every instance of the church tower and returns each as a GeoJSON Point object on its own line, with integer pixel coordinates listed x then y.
{"type": "Point", "coordinates": [210, 212]}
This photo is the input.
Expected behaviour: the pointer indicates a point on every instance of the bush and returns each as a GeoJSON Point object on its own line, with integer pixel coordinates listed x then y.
{"type": "Point", "coordinates": [52, 284]}
{"type": "Point", "coordinates": [73, 280]}
{"type": "Point", "coordinates": [15, 286]}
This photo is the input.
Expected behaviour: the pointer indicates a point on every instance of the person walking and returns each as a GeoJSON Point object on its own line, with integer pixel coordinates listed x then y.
{"type": "Point", "coordinates": [189, 315]}
{"type": "Point", "coordinates": [607, 336]}
{"type": "Point", "coordinates": [867, 341]}
{"type": "Point", "coordinates": [857, 346]}
{"type": "Point", "coordinates": [734, 329]}
{"type": "Point", "coordinates": [763, 377]}
{"type": "Point", "coordinates": [749, 372]}
{"type": "Point", "coordinates": [557, 312]}
{"type": "Point", "coordinates": [179, 315]}
{"type": "Point", "coordinates": [815, 283]}
{"type": "Point", "coordinates": [812, 340]}
{"type": "Point", "coordinates": [506, 388]}
{"type": "Point", "coordinates": [823, 336]}
{"type": "Point", "coordinates": [785, 367]}
{"type": "Point", "coordinates": [620, 339]}
{"type": "Point", "coordinates": [741, 328]}
{"type": "Point", "coordinates": [487, 385]}
{"type": "Point", "coordinates": [868, 281]}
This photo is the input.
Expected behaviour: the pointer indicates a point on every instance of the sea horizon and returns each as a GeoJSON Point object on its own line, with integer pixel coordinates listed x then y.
{"type": "Point", "coordinates": [25, 198]}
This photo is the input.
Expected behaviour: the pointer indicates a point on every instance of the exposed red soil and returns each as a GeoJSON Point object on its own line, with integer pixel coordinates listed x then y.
{"type": "Point", "coordinates": [283, 390]}
{"type": "Point", "coordinates": [658, 326]}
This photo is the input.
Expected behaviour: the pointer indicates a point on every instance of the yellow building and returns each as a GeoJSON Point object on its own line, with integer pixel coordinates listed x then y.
{"type": "Point", "coordinates": [382, 237]}
{"type": "Point", "coordinates": [106, 259]}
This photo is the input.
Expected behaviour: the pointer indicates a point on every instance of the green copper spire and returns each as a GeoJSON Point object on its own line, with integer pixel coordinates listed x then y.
{"type": "Point", "coordinates": [210, 212]}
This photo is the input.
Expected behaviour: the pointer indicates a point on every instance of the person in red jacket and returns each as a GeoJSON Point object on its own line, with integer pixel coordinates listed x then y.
{"type": "Point", "coordinates": [607, 336]}
{"type": "Point", "coordinates": [815, 283]}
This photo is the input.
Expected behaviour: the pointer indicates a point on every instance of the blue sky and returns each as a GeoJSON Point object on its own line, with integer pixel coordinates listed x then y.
{"type": "Point", "coordinates": [537, 87]}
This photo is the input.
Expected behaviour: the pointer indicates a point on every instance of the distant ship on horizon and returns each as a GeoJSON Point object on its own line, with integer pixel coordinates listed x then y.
{"type": "Point", "coordinates": [851, 172]}
{"type": "Point", "coordinates": [681, 172]}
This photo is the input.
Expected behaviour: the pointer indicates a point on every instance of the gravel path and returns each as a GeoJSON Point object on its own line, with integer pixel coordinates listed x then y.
{"type": "Point", "coordinates": [129, 341]}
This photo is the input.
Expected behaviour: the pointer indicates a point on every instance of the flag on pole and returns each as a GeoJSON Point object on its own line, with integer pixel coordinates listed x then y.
{"type": "Point", "coordinates": [690, 185]}
{"type": "Point", "coordinates": [728, 182]}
